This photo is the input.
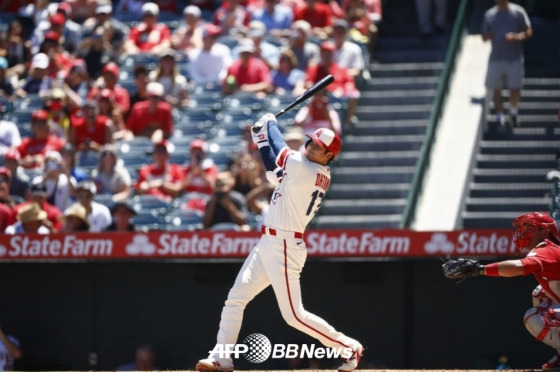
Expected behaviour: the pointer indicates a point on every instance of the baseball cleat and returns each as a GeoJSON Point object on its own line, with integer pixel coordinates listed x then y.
{"type": "Point", "coordinates": [211, 364]}
{"type": "Point", "coordinates": [351, 363]}
{"type": "Point", "coordinates": [553, 364]}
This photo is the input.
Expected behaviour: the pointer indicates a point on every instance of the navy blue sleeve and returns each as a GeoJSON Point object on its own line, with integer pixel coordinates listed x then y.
{"type": "Point", "coordinates": [277, 143]}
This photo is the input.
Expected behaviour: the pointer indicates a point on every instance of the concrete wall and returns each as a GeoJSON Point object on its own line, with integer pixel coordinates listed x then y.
{"type": "Point", "coordinates": [404, 312]}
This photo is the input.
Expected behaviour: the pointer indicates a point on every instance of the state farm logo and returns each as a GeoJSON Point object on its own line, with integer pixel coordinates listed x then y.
{"type": "Point", "coordinates": [439, 244]}
{"type": "Point", "coordinates": [140, 244]}
{"type": "Point", "coordinates": [3, 250]}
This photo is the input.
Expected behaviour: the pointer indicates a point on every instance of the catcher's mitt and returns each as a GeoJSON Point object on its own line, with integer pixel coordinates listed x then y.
{"type": "Point", "coordinates": [462, 268]}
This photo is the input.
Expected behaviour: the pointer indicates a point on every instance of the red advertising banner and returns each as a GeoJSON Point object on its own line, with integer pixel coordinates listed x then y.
{"type": "Point", "coordinates": [231, 244]}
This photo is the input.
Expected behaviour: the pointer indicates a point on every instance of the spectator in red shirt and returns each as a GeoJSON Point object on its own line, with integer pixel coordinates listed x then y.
{"type": "Point", "coordinates": [33, 149]}
{"type": "Point", "coordinates": [90, 131]}
{"type": "Point", "coordinates": [343, 86]}
{"type": "Point", "coordinates": [38, 194]}
{"type": "Point", "coordinates": [319, 15]}
{"type": "Point", "coordinates": [110, 73]}
{"type": "Point", "coordinates": [149, 36]}
{"type": "Point", "coordinates": [248, 73]}
{"type": "Point", "coordinates": [161, 178]}
{"type": "Point", "coordinates": [152, 117]}
{"type": "Point", "coordinates": [201, 173]}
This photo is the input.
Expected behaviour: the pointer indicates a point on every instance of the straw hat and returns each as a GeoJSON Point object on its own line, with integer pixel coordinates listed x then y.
{"type": "Point", "coordinates": [77, 210]}
{"type": "Point", "coordinates": [31, 213]}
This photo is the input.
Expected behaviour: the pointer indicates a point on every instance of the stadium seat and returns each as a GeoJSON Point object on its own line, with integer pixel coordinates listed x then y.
{"type": "Point", "coordinates": [150, 204]}
{"type": "Point", "coordinates": [243, 100]}
{"type": "Point", "coordinates": [148, 221]}
{"type": "Point", "coordinates": [189, 220]}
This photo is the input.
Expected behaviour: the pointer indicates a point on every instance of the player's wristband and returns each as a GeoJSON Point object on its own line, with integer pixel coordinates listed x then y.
{"type": "Point", "coordinates": [492, 269]}
{"type": "Point", "coordinates": [262, 144]}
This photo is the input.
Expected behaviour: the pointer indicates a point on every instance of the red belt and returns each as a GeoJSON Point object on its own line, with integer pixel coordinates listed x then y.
{"type": "Point", "coordinates": [269, 231]}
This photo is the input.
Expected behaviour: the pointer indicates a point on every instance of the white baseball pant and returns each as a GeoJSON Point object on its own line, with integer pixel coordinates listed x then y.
{"type": "Point", "coordinates": [276, 260]}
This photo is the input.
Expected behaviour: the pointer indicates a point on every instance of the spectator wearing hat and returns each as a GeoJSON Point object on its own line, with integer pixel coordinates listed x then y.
{"type": "Point", "coordinates": [294, 137]}
{"type": "Point", "coordinates": [90, 131]}
{"type": "Point", "coordinates": [276, 17]}
{"type": "Point", "coordinates": [151, 118]}
{"type": "Point", "coordinates": [104, 17]}
{"type": "Point", "coordinates": [226, 205]}
{"type": "Point", "coordinates": [248, 73]}
{"type": "Point", "coordinates": [6, 87]}
{"type": "Point", "coordinates": [343, 86]}
{"type": "Point", "coordinates": [6, 201]}
{"type": "Point", "coordinates": [68, 154]}
{"type": "Point", "coordinates": [201, 172]}
{"type": "Point", "coordinates": [306, 52]}
{"type": "Point", "coordinates": [57, 107]}
{"type": "Point", "coordinates": [19, 180]}
{"type": "Point", "coordinates": [161, 178]}
{"type": "Point", "coordinates": [38, 81]}
{"type": "Point", "coordinates": [264, 50]}
{"type": "Point", "coordinates": [74, 219]}
{"type": "Point", "coordinates": [59, 59]}
{"type": "Point", "coordinates": [9, 136]}
{"type": "Point", "coordinates": [60, 187]}
{"type": "Point", "coordinates": [210, 62]}
{"type": "Point", "coordinates": [111, 176]}
{"type": "Point", "coordinates": [98, 215]}
{"type": "Point", "coordinates": [38, 195]}
{"type": "Point", "coordinates": [287, 78]}
{"type": "Point", "coordinates": [31, 219]}
{"type": "Point", "coordinates": [122, 213]}
{"type": "Point", "coordinates": [109, 80]}
{"type": "Point", "coordinates": [33, 149]}
{"type": "Point", "coordinates": [347, 53]}
{"type": "Point", "coordinates": [148, 36]}
{"type": "Point", "coordinates": [188, 35]}
{"type": "Point", "coordinates": [319, 15]}
{"type": "Point", "coordinates": [174, 84]}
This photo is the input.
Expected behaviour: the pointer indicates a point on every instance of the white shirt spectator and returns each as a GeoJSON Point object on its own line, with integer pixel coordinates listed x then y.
{"type": "Point", "coordinates": [9, 136]}
{"type": "Point", "coordinates": [210, 66]}
{"type": "Point", "coordinates": [58, 191]}
{"type": "Point", "coordinates": [17, 228]}
{"type": "Point", "coordinates": [349, 56]}
{"type": "Point", "coordinates": [99, 218]}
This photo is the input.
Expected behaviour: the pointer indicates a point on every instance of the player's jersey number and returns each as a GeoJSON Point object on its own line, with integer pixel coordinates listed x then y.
{"type": "Point", "coordinates": [316, 195]}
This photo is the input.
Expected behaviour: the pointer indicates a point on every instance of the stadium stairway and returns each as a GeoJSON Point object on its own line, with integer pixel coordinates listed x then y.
{"type": "Point", "coordinates": [372, 177]}
{"type": "Point", "coordinates": [509, 177]}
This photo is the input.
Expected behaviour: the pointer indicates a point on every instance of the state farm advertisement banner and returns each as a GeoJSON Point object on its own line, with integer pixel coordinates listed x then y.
{"type": "Point", "coordinates": [230, 244]}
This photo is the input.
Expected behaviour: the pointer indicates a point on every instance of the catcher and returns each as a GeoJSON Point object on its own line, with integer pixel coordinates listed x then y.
{"type": "Point", "coordinates": [538, 234]}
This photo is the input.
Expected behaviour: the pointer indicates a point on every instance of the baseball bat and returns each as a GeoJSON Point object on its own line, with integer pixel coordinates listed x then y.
{"type": "Point", "coordinates": [320, 85]}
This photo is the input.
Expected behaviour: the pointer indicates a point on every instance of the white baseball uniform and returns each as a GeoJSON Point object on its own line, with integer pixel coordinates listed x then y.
{"type": "Point", "coordinates": [280, 255]}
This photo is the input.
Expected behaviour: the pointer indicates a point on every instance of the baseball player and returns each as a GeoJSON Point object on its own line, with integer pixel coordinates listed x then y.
{"type": "Point", "coordinates": [537, 233]}
{"type": "Point", "coordinates": [279, 256]}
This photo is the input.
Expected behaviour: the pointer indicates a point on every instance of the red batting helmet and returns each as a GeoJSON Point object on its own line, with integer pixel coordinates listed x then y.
{"type": "Point", "coordinates": [327, 138]}
{"type": "Point", "coordinates": [524, 232]}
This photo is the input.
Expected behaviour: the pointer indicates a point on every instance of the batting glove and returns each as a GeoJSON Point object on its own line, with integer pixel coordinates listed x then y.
{"type": "Point", "coordinates": [259, 131]}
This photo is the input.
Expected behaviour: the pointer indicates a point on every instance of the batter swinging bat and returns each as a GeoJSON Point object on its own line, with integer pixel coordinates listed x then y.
{"type": "Point", "coordinates": [323, 83]}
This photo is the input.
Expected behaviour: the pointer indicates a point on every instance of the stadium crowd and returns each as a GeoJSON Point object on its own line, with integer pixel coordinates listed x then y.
{"type": "Point", "coordinates": [131, 115]}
